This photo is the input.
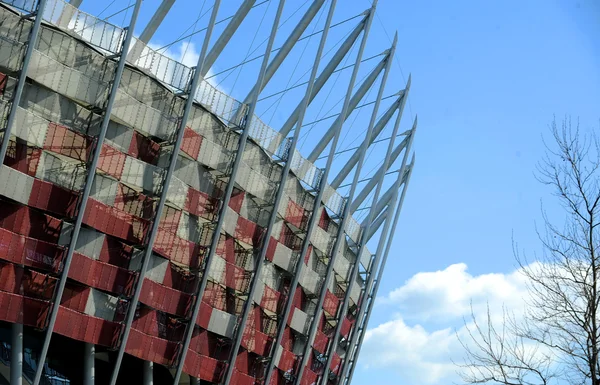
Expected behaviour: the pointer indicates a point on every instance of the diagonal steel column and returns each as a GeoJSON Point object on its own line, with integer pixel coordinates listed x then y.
{"type": "Point", "coordinates": [32, 41]}
{"type": "Point", "coordinates": [317, 203]}
{"type": "Point", "coordinates": [363, 151]}
{"type": "Point", "coordinates": [87, 189]}
{"type": "Point", "coordinates": [148, 32]}
{"type": "Point", "coordinates": [16, 363]}
{"type": "Point", "coordinates": [376, 224]}
{"type": "Point", "coordinates": [363, 242]}
{"type": "Point", "coordinates": [396, 215]}
{"type": "Point", "coordinates": [345, 212]}
{"type": "Point", "coordinates": [286, 48]}
{"type": "Point", "coordinates": [385, 118]}
{"type": "Point", "coordinates": [356, 98]}
{"type": "Point", "coordinates": [373, 181]}
{"type": "Point", "coordinates": [226, 35]}
{"type": "Point", "coordinates": [163, 196]}
{"type": "Point", "coordinates": [327, 72]}
{"type": "Point", "coordinates": [239, 332]}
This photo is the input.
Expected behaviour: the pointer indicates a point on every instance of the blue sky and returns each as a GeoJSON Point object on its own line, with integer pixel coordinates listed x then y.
{"type": "Point", "coordinates": [487, 79]}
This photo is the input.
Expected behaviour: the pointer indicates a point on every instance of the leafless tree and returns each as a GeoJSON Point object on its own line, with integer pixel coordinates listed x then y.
{"type": "Point", "coordinates": [557, 340]}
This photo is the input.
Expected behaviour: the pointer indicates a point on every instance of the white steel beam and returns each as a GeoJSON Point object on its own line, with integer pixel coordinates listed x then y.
{"type": "Point", "coordinates": [377, 223]}
{"type": "Point", "coordinates": [379, 253]}
{"type": "Point", "coordinates": [325, 75]}
{"type": "Point", "coordinates": [362, 154]}
{"type": "Point", "coordinates": [356, 98]}
{"type": "Point", "coordinates": [344, 215]}
{"type": "Point", "coordinates": [222, 41]}
{"type": "Point", "coordinates": [276, 345]}
{"type": "Point", "coordinates": [91, 173]}
{"type": "Point", "coordinates": [16, 100]}
{"type": "Point", "coordinates": [358, 345]}
{"type": "Point", "coordinates": [286, 48]}
{"type": "Point", "coordinates": [385, 118]}
{"type": "Point", "coordinates": [373, 181]}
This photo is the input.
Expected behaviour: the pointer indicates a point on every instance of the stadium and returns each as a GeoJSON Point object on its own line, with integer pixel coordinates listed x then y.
{"type": "Point", "coordinates": [154, 229]}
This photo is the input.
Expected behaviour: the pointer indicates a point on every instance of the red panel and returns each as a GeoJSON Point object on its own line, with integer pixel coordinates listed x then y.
{"type": "Point", "coordinates": [199, 203]}
{"type": "Point", "coordinates": [16, 308]}
{"type": "Point", "coordinates": [324, 221]}
{"type": "Point", "coordinates": [236, 277]}
{"type": "Point", "coordinates": [270, 299]}
{"type": "Point", "coordinates": [296, 215]}
{"type": "Point", "coordinates": [22, 158]}
{"type": "Point", "coordinates": [164, 298]}
{"type": "Point", "coordinates": [335, 363]}
{"type": "Point", "coordinates": [237, 199]}
{"type": "Point", "coordinates": [299, 298]}
{"type": "Point", "coordinates": [271, 249]}
{"type": "Point", "coordinates": [277, 378]}
{"type": "Point", "coordinates": [61, 140]}
{"type": "Point", "coordinates": [115, 252]}
{"type": "Point", "coordinates": [101, 275]}
{"type": "Point", "coordinates": [143, 148]}
{"type": "Point", "coordinates": [226, 248]}
{"type": "Point", "coordinates": [111, 161]}
{"type": "Point", "coordinates": [75, 297]}
{"type": "Point", "coordinates": [287, 360]}
{"type": "Point", "coordinates": [191, 142]}
{"type": "Point", "coordinates": [159, 324]}
{"type": "Point", "coordinates": [247, 231]}
{"type": "Point", "coordinates": [112, 221]}
{"type": "Point", "coordinates": [255, 341]}
{"type": "Point", "coordinates": [3, 81]}
{"type": "Point", "coordinates": [346, 325]}
{"type": "Point", "coordinates": [151, 348]}
{"type": "Point", "coordinates": [31, 223]}
{"type": "Point", "coordinates": [27, 251]}
{"type": "Point", "coordinates": [204, 315]}
{"type": "Point", "coordinates": [56, 199]}
{"type": "Point", "coordinates": [177, 249]}
{"type": "Point", "coordinates": [239, 378]}
{"type": "Point", "coordinates": [287, 340]}
{"type": "Point", "coordinates": [309, 377]}
{"type": "Point", "coordinates": [331, 303]}
{"type": "Point", "coordinates": [83, 327]}
{"type": "Point", "coordinates": [215, 295]}
{"type": "Point", "coordinates": [16, 280]}
{"type": "Point", "coordinates": [179, 279]}
{"type": "Point", "coordinates": [289, 239]}
{"type": "Point", "coordinates": [203, 367]}
{"type": "Point", "coordinates": [320, 342]}
{"type": "Point", "coordinates": [242, 362]}
{"type": "Point", "coordinates": [308, 253]}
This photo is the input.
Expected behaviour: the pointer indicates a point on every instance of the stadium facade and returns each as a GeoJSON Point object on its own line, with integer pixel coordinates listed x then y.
{"type": "Point", "coordinates": [154, 229]}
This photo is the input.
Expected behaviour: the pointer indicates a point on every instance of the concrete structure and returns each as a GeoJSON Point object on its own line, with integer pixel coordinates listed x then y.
{"type": "Point", "coordinates": [154, 230]}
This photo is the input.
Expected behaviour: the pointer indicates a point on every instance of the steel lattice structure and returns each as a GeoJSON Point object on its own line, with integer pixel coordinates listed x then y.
{"type": "Point", "coordinates": [154, 229]}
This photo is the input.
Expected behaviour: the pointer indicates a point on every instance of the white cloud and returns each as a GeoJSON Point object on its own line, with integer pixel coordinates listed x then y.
{"type": "Point", "coordinates": [419, 343]}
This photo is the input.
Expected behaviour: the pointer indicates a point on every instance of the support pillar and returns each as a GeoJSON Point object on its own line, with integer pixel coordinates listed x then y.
{"type": "Point", "coordinates": [315, 319]}
{"type": "Point", "coordinates": [382, 170]}
{"type": "Point", "coordinates": [16, 354]}
{"type": "Point", "coordinates": [379, 253]}
{"type": "Point", "coordinates": [356, 98]}
{"type": "Point", "coordinates": [286, 48]}
{"type": "Point", "coordinates": [33, 36]}
{"type": "Point", "coordinates": [348, 379]}
{"type": "Point", "coordinates": [89, 352]}
{"type": "Point", "coordinates": [239, 334]}
{"type": "Point", "coordinates": [322, 79]}
{"type": "Point", "coordinates": [385, 118]}
{"type": "Point", "coordinates": [148, 375]}
{"type": "Point", "coordinates": [344, 306]}
{"type": "Point", "coordinates": [226, 35]}
{"type": "Point", "coordinates": [91, 173]}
